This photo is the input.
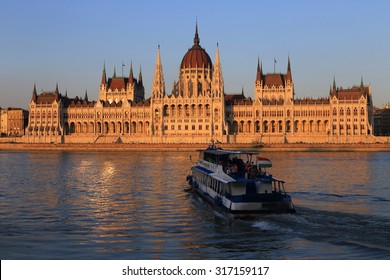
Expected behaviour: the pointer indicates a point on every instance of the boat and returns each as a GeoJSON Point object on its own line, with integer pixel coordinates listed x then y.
{"type": "Point", "coordinates": [238, 182]}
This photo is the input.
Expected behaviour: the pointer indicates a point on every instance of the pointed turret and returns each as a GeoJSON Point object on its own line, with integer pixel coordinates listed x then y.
{"type": "Point", "coordinates": [217, 62]}
{"type": "Point", "coordinates": [104, 77]}
{"type": "Point", "coordinates": [131, 76]}
{"type": "Point", "coordinates": [34, 94]}
{"type": "Point", "coordinates": [362, 87]}
{"type": "Point", "coordinates": [289, 76]}
{"type": "Point", "coordinates": [86, 96]}
{"type": "Point", "coordinates": [259, 73]}
{"type": "Point", "coordinates": [217, 75]}
{"type": "Point", "coordinates": [333, 88]}
{"type": "Point", "coordinates": [158, 89]}
{"type": "Point", "coordinates": [57, 93]}
{"type": "Point", "coordinates": [140, 76]}
{"type": "Point", "coordinates": [114, 76]}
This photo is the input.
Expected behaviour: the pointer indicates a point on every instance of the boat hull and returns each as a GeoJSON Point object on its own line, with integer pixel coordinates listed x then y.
{"type": "Point", "coordinates": [245, 204]}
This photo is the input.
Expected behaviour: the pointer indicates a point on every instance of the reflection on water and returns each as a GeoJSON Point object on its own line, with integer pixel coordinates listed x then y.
{"type": "Point", "coordinates": [317, 179]}
{"type": "Point", "coordinates": [131, 205]}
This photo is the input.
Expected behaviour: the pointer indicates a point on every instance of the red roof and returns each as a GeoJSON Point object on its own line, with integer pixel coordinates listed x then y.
{"type": "Point", "coordinates": [47, 98]}
{"type": "Point", "coordinates": [117, 83]}
{"type": "Point", "coordinates": [353, 93]}
{"type": "Point", "coordinates": [196, 57]}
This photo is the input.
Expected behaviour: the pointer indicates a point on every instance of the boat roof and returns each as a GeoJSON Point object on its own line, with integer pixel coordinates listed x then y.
{"type": "Point", "coordinates": [228, 152]}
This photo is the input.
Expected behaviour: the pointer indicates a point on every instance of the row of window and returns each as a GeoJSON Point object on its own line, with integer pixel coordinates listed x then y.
{"type": "Point", "coordinates": [280, 113]}
{"type": "Point", "coordinates": [188, 127]}
{"type": "Point", "coordinates": [348, 120]}
{"type": "Point", "coordinates": [206, 180]}
{"type": "Point", "coordinates": [43, 115]}
{"type": "Point", "coordinates": [187, 120]}
{"type": "Point", "coordinates": [348, 113]}
{"type": "Point", "coordinates": [43, 122]}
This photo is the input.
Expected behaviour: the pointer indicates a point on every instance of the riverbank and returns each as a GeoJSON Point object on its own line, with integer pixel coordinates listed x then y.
{"type": "Point", "coordinates": [302, 147]}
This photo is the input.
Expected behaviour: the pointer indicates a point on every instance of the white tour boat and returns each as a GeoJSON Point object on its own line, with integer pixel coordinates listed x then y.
{"type": "Point", "coordinates": [237, 182]}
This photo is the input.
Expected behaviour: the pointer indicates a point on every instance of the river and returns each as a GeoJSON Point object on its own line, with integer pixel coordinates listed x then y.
{"type": "Point", "coordinates": [134, 205]}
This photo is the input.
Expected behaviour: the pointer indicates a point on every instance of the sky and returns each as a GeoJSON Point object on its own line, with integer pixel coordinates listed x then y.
{"type": "Point", "coordinates": [68, 42]}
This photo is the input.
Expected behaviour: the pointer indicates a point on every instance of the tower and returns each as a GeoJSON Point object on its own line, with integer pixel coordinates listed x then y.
{"type": "Point", "coordinates": [217, 80]}
{"type": "Point", "coordinates": [103, 85]}
{"type": "Point", "coordinates": [259, 82]}
{"type": "Point", "coordinates": [158, 87]}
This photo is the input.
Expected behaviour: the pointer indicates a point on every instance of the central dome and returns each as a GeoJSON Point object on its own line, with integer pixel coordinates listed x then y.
{"type": "Point", "coordinates": [196, 57]}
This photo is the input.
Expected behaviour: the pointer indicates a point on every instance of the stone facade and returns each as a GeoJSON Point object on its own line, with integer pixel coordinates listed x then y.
{"type": "Point", "coordinates": [198, 109]}
{"type": "Point", "coordinates": [12, 122]}
{"type": "Point", "coordinates": [382, 121]}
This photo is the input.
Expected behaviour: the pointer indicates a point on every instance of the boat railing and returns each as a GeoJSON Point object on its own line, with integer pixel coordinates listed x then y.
{"type": "Point", "coordinates": [278, 186]}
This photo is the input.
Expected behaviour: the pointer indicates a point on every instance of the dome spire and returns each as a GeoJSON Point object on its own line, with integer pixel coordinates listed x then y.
{"type": "Point", "coordinates": [196, 38]}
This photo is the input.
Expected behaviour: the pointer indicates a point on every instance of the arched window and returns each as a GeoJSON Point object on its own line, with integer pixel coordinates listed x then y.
{"type": "Point", "coordinates": [288, 126]}
{"type": "Point", "coordinates": [265, 125]}
{"type": "Point", "coordinates": [216, 113]}
{"type": "Point", "coordinates": [207, 110]}
{"type": "Point", "coordinates": [165, 111]}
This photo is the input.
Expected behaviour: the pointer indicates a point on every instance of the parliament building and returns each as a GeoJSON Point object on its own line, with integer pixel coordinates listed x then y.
{"type": "Point", "coordinates": [198, 109]}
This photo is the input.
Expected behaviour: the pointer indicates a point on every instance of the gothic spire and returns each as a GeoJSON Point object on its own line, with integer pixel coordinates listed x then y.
{"type": "Point", "coordinates": [34, 94]}
{"type": "Point", "coordinates": [217, 62]}
{"type": "Point", "coordinates": [104, 77]}
{"type": "Point", "coordinates": [140, 76]}
{"type": "Point", "coordinates": [158, 81]}
{"type": "Point", "coordinates": [289, 76]}
{"type": "Point", "coordinates": [57, 91]}
{"type": "Point", "coordinates": [334, 84]}
{"type": "Point", "coordinates": [114, 76]}
{"type": "Point", "coordinates": [217, 77]}
{"type": "Point", "coordinates": [259, 70]}
{"type": "Point", "coordinates": [131, 76]}
{"type": "Point", "coordinates": [86, 96]}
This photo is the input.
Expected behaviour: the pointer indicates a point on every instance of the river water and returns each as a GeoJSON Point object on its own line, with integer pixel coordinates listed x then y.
{"type": "Point", "coordinates": [133, 205]}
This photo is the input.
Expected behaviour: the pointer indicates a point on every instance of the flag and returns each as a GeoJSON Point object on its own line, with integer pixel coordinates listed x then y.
{"type": "Point", "coordinates": [275, 60]}
{"type": "Point", "coordinates": [264, 162]}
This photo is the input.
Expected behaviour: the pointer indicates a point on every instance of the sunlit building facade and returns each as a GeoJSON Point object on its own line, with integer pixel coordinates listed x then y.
{"type": "Point", "coordinates": [12, 122]}
{"type": "Point", "coordinates": [197, 109]}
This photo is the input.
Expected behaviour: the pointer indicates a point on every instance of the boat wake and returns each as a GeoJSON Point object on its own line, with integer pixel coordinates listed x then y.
{"type": "Point", "coordinates": [346, 232]}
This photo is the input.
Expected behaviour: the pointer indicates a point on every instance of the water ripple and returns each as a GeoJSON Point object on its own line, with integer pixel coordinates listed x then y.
{"type": "Point", "coordinates": [132, 205]}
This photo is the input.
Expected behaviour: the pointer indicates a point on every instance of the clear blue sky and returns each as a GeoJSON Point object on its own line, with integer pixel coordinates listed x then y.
{"type": "Point", "coordinates": [68, 41]}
